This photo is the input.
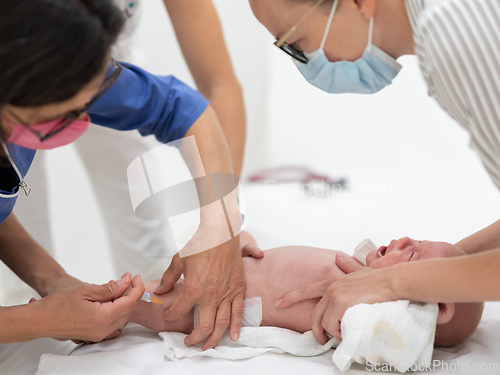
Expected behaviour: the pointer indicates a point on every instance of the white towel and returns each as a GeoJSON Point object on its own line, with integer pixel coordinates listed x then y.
{"type": "Point", "coordinates": [253, 341]}
{"type": "Point", "coordinates": [400, 334]}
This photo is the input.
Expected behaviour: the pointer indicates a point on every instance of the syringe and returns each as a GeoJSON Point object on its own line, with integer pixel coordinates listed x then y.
{"type": "Point", "coordinates": [149, 298]}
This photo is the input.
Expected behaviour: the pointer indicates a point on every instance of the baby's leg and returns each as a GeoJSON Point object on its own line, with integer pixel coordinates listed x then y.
{"type": "Point", "coordinates": [150, 315]}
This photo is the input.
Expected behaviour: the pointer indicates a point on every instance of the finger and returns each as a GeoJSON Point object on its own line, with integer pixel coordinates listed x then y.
{"type": "Point", "coordinates": [317, 318]}
{"type": "Point", "coordinates": [221, 323]}
{"type": "Point", "coordinates": [108, 292]}
{"type": "Point", "coordinates": [32, 300]}
{"type": "Point", "coordinates": [347, 265]}
{"type": "Point", "coordinates": [125, 304]}
{"type": "Point", "coordinates": [114, 329]}
{"type": "Point", "coordinates": [252, 251]}
{"type": "Point", "coordinates": [171, 275]}
{"type": "Point", "coordinates": [306, 292]}
{"type": "Point", "coordinates": [236, 315]}
{"type": "Point", "coordinates": [336, 330]}
{"type": "Point", "coordinates": [182, 305]}
{"type": "Point", "coordinates": [332, 324]}
{"type": "Point", "coordinates": [330, 320]}
{"type": "Point", "coordinates": [205, 325]}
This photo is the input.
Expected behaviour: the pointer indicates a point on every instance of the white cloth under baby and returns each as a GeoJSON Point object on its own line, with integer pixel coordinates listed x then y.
{"type": "Point", "coordinates": [253, 342]}
{"type": "Point", "coordinates": [399, 333]}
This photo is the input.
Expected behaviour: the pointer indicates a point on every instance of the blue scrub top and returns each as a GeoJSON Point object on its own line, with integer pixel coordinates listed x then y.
{"type": "Point", "coordinates": [163, 106]}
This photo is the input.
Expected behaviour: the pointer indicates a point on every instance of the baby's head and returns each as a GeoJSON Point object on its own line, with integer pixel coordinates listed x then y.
{"type": "Point", "coordinates": [456, 321]}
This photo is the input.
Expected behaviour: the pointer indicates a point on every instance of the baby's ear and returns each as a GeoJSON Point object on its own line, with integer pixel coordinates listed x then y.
{"type": "Point", "coordinates": [446, 312]}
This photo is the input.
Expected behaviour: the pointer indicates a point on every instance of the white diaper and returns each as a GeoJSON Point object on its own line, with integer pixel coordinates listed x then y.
{"type": "Point", "coordinates": [252, 312]}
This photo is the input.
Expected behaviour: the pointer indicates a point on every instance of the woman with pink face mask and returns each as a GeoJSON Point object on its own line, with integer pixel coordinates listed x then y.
{"type": "Point", "coordinates": [56, 75]}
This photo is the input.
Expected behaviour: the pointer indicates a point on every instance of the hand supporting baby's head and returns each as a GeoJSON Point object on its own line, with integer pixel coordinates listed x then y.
{"type": "Point", "coordinates": [456, 321]}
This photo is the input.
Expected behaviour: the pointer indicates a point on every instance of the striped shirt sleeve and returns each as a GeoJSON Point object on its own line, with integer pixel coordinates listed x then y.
{"type": "Point", "coordinates": [458, 44]}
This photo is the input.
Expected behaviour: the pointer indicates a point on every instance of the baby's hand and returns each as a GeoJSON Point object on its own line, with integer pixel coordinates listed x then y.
{"type": "Point", "coordinates": [249, 246]}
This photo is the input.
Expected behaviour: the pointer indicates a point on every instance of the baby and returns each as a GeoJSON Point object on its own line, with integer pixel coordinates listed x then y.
{"type": "Point", "coordinates": [285, 269]}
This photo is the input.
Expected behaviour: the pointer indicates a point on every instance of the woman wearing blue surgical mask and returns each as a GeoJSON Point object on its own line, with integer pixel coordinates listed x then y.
{"type": "Point", "coordinates": [351, 46]}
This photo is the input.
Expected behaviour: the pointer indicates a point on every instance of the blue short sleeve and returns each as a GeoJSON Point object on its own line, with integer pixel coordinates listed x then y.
{"type": "Point", "coordinates": [163, 106]}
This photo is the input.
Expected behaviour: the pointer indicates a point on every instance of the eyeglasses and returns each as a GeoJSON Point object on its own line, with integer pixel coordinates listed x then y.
{"type": "Point", "coordinates": [289, 49]}
{"type": "Point", "coordinates": [111, 77]}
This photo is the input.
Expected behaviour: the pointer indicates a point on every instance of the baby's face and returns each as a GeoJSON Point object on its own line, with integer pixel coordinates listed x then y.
{"type": "Point", "coordinates": [409, 250]}
{"type": "Point", "coordinates": [456, 322]}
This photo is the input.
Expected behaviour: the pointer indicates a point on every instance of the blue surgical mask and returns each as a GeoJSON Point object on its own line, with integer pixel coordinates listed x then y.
{"type": "Point", "coordinates": [367, 75]}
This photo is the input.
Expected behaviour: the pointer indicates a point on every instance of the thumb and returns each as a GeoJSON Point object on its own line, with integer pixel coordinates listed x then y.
{"type": "Point", "coordinates": [171, 275]}
{"type": "Point", "coordinates": [110, 291]}
{"type": "Point", "coordinates": [347, 265]}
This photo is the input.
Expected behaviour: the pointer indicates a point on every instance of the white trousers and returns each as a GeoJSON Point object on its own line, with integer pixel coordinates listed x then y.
{"type": "Point", "coordinates": [138, 246]}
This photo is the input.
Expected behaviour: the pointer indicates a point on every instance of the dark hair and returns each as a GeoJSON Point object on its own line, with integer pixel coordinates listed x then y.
{"type": "Point", "coordinates": [51, 49]}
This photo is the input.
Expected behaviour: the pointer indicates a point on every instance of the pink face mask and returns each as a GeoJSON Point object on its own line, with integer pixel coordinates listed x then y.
{"type": "Point", "coordinates": [24, 137]}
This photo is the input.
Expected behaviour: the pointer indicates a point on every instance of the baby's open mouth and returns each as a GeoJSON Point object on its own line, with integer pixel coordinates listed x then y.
{"type": "Point", "coordinates": [381, 251]}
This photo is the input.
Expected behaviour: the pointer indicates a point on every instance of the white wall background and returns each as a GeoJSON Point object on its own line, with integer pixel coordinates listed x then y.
{"type": "Point", "coordinates": [397, 138]}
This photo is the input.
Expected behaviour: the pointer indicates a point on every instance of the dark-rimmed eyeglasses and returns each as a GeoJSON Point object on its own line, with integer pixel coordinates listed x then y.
{"type": "Point", "coordinates": [111, 76]}
{"type": "Point", "coordinates": [290, 49]}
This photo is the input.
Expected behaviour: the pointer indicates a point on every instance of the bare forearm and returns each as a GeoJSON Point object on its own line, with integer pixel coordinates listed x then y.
{"type": "Point", "coordinates": [211, 144]}
{"type": "Point", "coordinates": [217, 166]}
{"type": "Point", "coordinates": [483, 240]}
{"type": "Point", "coordinates": [24, 256]}
{"type": "Point", "coordinates": [471, 278]}
{"type": "Point", "coordinates": [227, 102]}
{"type": "Point", "coordinates": [201, 39]}
{"type": "Point", "coordinates": [20, 323]}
